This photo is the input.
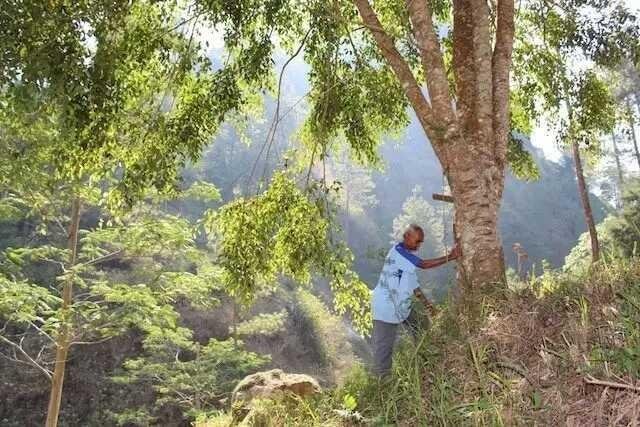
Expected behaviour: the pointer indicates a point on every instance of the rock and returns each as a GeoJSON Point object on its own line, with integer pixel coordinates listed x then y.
{"type": "Point", "coordinates": [273, 383]}
{"type": "Point", "coordinates": [267, 385]}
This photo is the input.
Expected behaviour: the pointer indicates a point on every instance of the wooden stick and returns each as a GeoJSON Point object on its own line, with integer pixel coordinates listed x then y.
{"type": "Point", "coordinates": [442, 197]}
{"type": "Point", "coordinates": [591, 380]}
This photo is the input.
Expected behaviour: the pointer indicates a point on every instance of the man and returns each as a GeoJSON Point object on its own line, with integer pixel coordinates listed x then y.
{"type": "Point", "coordinates": [391, 303]}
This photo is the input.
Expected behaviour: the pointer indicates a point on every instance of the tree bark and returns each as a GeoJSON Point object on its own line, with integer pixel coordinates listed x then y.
{"type": "Point", "coordinates": [632, 125]}
{"type": "Point", "coordinates": [586, 204]}
{"type": "Point", "coordinates": [63, 340]}
{"type": "Point", "coordinates": [476, 221]}
{"type": "Point", "coordinates": [616, 155]}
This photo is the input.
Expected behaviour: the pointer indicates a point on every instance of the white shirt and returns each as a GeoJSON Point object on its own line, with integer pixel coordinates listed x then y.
{"type": "Point", "coordinates": [391, 301]}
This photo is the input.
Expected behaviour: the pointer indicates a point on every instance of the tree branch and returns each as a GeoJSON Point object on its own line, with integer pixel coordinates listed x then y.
{"type": "Point", "coordinates": [501, 64]}
{"type": "Point", "coordinates": [431, 57]}
{"type": "Point", "coordinates": [591, 380]}
{"type": "Point", "coordinates": [400, 67]}
{"type": "Point", "coordinates": [90, 342]}
{"type": "Point", "coordinates": [30, 360]}
{"type": "Point", "coordinates": [103, 258]}
{"type": "Point", "coordinates": [39, 329]}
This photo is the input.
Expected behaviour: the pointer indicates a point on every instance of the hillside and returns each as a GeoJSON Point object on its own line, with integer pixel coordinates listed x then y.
{"type": "Point", "coordinates": [558, 350]}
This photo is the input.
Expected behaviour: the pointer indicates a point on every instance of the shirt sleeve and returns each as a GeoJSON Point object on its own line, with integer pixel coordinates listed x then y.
{"type": "Point", "coordinates": [408, 255]}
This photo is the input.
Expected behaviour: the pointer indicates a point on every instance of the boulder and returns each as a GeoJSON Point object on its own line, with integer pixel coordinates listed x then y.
{"type": "Point", "coordinates": [272, 384]}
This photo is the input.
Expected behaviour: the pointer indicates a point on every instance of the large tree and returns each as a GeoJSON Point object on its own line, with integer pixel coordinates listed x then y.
{"type": "Point", "coordinates": [468, 127]}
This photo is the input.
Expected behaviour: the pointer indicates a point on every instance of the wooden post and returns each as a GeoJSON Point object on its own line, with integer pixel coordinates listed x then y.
{"type": "Point", "coordinates": [448, 199]}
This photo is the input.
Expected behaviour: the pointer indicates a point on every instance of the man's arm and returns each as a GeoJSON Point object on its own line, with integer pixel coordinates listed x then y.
{"type": "Point", "coordinates": [436, 262]}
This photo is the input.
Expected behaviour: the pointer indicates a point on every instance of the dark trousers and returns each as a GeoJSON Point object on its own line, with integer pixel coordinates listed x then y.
{"type": "Point", "coordinates": [384, 338]}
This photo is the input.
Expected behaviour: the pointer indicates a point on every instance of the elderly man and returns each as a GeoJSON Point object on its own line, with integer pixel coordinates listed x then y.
{"type": "Point", "coordinates": [391, 302]}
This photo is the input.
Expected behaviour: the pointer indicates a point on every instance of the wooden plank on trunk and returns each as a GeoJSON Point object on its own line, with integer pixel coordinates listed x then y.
{"type": "Point", "coordinates": [442, 197]}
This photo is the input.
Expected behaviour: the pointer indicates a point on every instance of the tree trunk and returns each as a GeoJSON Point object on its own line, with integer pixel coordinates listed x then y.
{"type": "Point", "coordinates": [632, 125]}
{"type": "Point", "coordinates": [584, 196]}
{"type": "Point", "coordinates": [63, 340]}
{"type": "Point", "coordinates": [477, 205]}
{"type": "Point", "coordinates": [616, 155]}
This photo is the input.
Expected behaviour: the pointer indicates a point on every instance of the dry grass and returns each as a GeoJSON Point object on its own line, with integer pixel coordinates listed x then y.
{"type": "Point", "coordinates": [535, 348]}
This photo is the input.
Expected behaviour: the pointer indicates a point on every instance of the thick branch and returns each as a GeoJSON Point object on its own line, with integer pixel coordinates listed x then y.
{"type": "Point", "coordinates": [399, 65]}
{"type": "Point", "coordinates": [100, 341]}
{"type": "Point", "coordinates": [591, 380]}
{"type": "Point", "coordinates": [39, 329]}
{"type": "Point", "coordinates": [463, 63]}
{"type": "Point", "coordinates": [431, 57]}
{"type": "Point", "coordinates": [501, 64]}
{"type": "Point", "coordinates": [483, 74]}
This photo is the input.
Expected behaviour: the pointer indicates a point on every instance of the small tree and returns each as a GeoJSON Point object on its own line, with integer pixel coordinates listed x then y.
{"type": "Point", "coordinates": [196, 379]}
{"type": "Point", "coordinates": [158, 247]}
{"type": "Point", "coordinates": [560, 77]}
{"type": "Point", "coordinates": [435, 222]}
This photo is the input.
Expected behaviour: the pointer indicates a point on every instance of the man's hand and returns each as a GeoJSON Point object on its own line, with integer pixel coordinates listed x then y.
{"type": "Point", "coordinates": [423, 299]}
{"type": "Point", "coordinates": [431, 309]}
{"type": "Point", "coordinates": [455, 253]}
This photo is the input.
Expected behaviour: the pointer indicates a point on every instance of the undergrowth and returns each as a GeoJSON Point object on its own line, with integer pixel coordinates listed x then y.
{"type": "Point", "coordinates": [560, 349]}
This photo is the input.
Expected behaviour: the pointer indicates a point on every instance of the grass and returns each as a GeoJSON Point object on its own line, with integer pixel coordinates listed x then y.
{"type": "Point", "coordinates": [522, 362]}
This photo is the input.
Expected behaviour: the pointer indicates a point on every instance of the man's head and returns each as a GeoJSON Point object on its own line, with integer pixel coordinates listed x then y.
{"type": "Point", "coordinates": [413, 237]}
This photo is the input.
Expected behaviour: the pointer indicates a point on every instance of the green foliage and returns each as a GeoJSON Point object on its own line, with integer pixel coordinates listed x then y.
{"type": "Point", "coordinates": [417, 210]}
{"type": "Point", "coordinates": [349, 402]}
{"type": "Point", "coordinates": [556, 67]}
{"type": "Point", "coordinates": [593, 110]}
{"type": "Point", "coordinates": [23, 303]}
{"type": "Point", "coordinates": [520, 160]}
{"type": "Point", "coordinates": [284, 232]}
{"type": "Point", "coordinates": [627, 357]}
{"type": "Point", "coordinates": [203, 191]}
{"type": "Point", "coordinates": [138, 416]}
{"type": "Point", "coordinates": [264, 324]}
{"type": "Point", "coordinates": [354, 93]}
{"type": "Point", "coordinates": [329, 333]}
{"type": "Point", "coordinates": [579, 259]}
{"type": "Point", "coordinates": [196, 380]}
{"type": "Point", "coordinates": [356, 190]}
{"type": "Point", "coordinates": [159, 246]}
{"type": "Point", "coordinates": [626, 231]}
{"type": "Point", "coordinates": [456, 375]}
{"type": "Point", "coordinates": [112, 94]}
